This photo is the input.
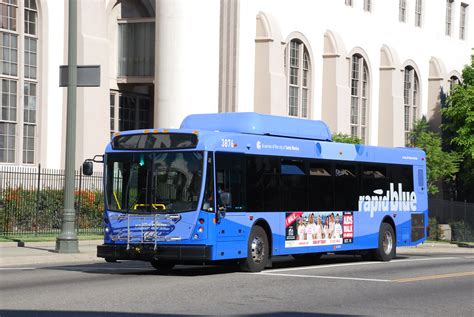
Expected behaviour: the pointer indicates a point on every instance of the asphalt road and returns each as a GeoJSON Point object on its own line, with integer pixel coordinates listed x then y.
{"type": "Point", "coordinates": [422, 284]}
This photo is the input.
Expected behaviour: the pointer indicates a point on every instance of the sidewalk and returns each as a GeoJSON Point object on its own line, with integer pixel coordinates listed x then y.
{"type": "Point", "coordinates": [434, 247]}
{"type": "Point", "coordinates": [43, 253]}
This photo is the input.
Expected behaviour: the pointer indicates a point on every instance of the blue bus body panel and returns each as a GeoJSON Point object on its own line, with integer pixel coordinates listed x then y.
{"type": "Point", "coordinates": [250, 133]}
{"type": "Point", "coordinates": [260, 124]}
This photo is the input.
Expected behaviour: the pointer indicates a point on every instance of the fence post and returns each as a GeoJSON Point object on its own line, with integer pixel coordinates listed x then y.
{"type": "Point", "coordinates": [2, 204]}
{"type": "Point", "coordinates": [79, 200]}
{"type": "Point", "coordinates": [465, 220]}
{"type": "Point", "coordinates": [37, 198]}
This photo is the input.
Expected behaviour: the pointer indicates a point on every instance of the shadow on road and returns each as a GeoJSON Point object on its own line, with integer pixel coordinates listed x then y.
{"type": "Point", "coordinates": [41, 313]}
{"type": "Point", "coordinates": [41, 249]}
{"type": "Point", "coordinates": [140, 268]}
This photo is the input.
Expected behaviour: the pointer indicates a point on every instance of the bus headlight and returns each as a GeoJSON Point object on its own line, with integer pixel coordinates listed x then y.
{"type": "Point", "coordinates": [200, 229]}
{"type": "Point", "coordinates": [196, 236]}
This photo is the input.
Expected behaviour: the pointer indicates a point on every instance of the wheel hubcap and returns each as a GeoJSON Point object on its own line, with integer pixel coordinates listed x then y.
{"type": "Point", "coordinates": [387, 242]}
{"type": "Point", "coordinates": [258, 250]}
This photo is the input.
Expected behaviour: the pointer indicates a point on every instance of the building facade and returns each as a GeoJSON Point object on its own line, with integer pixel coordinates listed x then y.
{"type": "Point", "coordinates": [369, 68]}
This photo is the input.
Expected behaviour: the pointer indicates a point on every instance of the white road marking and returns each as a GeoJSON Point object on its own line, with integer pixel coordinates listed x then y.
{"type": "Point", "coordinates": [105, 268]}
{"type": "Point", "coordinates": [17, 268]}
{"type": "Point", "coordinates": [325, 277]}
{"type": "Point", "coordinates": [357, 264]}
{"type": "Point", "coordinates": [67, 268]}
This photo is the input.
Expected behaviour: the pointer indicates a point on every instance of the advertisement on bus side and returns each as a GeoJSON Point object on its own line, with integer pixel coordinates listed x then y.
{"type": "Point", "coordinates": [318, 228]}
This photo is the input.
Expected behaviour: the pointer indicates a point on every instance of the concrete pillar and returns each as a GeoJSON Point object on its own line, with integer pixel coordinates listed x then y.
{"type": "Point", "coordinates": [270, 80]}
{"type": "Point", "coordinates": [186, 60]}
{"type": "Point", "coordinates": [335, 90]}
{"type": "Point", "coordinates": [391, 111]}
{"type": "Point", "coordinates": [437, 92]}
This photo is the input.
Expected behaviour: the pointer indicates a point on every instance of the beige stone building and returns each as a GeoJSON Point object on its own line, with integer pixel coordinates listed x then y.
{"type": "Point", "coordinates": [367, 67]}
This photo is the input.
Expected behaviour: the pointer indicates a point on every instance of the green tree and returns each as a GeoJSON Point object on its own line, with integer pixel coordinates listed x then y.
{"type": "Point", "coordinates": [458, 118]}
{"type": "Point", "coordinates": [440, 165]}
{"type": "Point", "coordinates": [346, 138]}
{"type": "Point", "coordinates": [460, 113]}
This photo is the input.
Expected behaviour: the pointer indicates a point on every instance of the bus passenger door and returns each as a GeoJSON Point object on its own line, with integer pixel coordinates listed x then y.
{"type": "Point", "coordinates": [232, 230]}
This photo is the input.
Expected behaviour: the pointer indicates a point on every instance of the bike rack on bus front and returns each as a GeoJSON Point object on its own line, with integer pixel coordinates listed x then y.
{"type": "Point", "coordinates": [142, 239]}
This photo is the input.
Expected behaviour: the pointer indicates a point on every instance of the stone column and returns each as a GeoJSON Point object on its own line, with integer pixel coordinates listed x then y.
{"type": "Point", "coordinates": [437, 92]}
{"type": "Point", "coordinates": [186, 60]}
{"type": "Point", "coordinates": [335, 89]}
{"type": "Point", "coordinates": [390, 131]}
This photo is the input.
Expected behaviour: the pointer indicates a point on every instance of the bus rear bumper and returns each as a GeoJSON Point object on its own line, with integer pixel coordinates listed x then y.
{"type": "Point", "coordinates": [147, 252]}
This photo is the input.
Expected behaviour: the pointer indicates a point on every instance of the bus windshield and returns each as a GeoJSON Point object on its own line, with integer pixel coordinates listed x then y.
{"type": "Point", "coordinates": [165, 182]}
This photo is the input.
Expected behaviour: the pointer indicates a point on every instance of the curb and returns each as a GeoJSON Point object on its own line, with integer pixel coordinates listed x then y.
{"type": "Point", "coordinates": [437, 245]}
{"type": "Point", "coordinates": [43, 253]}
{"type": "Point", "coordinates": [19, 244]}
{"type": "Point", "coordinates": [464, 245]}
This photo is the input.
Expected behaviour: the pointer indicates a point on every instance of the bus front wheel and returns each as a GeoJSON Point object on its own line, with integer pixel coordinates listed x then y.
{"type": "Point", "coordinates": [387, 243]}
{"type": "Point", "coordinates": [258, 251]}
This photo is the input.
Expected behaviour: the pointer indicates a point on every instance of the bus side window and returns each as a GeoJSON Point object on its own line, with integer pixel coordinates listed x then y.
{"type": "Point", "coordinates": [293, 185]}
{"type": "Point", "coordinates": [230, 182]}
{"type": "Point", "coordinates": [263, 174]}
{"type": "Point", "coordinates": [208, 200]}
{"type": "Point", "coordinates": [254, 183]}
{"type": "Point", "coordinates": [402, 174]}
{"type": "Point", "coordinates": [374, 177]}
{"type": "Point", "coordinates": [321, 195]}
{"type": "Point", "coordinates": [346, 187]}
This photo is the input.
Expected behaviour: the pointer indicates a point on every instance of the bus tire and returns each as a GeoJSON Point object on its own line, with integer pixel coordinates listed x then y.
{"type": "Point", "coordinates": [162, 266]}
{"type": "Point", "coordinates": [387, 243]}
{"type": "Point", "coordinates": [257, 251]}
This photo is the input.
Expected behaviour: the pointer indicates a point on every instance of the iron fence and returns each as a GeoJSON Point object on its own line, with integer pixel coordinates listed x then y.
{"type": "Point", "coordinates": [459, 215]}
{"type": "Point", "coordinates": [31, 201]}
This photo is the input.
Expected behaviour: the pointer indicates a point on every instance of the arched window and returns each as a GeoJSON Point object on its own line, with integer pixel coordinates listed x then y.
{"type": "Point", "coordinates": [299, 75]}
{"type": "Point", "coordinates": [18, 51]}
{"type": "Point", "coordinates": [359, 97]}
{"type": "Point", "coordinates": [453, 81]}
{"type": "Point", "coordinates": [410, 100]}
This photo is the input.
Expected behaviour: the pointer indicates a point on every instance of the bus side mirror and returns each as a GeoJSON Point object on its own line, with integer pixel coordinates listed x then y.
{"type": "Point", "coordinates": [87, 167]}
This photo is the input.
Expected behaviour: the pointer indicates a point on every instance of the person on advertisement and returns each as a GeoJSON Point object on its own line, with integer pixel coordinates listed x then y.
{"type": "Point", "coordinates": [319, 229]}
{"type": "Point", "coordinates": [337, 229]}
{"type": "Point", "coordinates": [310, 228]}
{"type": "Point", "coordinates": [331, 226]}
{"type": "Point", "coordinates": [326, 228]}
{"type": "Point", "coordinates": [301, 229]}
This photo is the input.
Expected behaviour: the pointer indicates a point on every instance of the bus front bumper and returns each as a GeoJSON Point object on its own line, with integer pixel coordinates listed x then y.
{"type": "Point", "coordinates": [148, 252]}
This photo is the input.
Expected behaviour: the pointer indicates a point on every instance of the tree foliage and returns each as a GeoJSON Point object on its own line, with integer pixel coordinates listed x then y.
{"type": "Point", "coordinates": [460, 114]}
{"type": "Point", "coordinates": [458, 124]}
{"type": "Point", "coordinates": [440, 165]}
{"type": "Point", "coordinates": [346, 138]}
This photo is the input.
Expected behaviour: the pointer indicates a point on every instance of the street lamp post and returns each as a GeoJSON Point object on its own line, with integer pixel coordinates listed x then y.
{"type": "Point", "coordinates": [67, 241]}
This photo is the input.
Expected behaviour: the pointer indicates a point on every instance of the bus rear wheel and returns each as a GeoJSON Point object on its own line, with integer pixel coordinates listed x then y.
{"type": "Point", "coordinates": [387, 243]}
{"type": "Point", "coordinates": [257, 252]}
{"type": "Point", "coordinates": [162, 266]}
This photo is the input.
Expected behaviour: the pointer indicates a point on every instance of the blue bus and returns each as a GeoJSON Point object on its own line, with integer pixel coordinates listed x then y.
{"type": "Point", "coordinates": [249, 187]}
